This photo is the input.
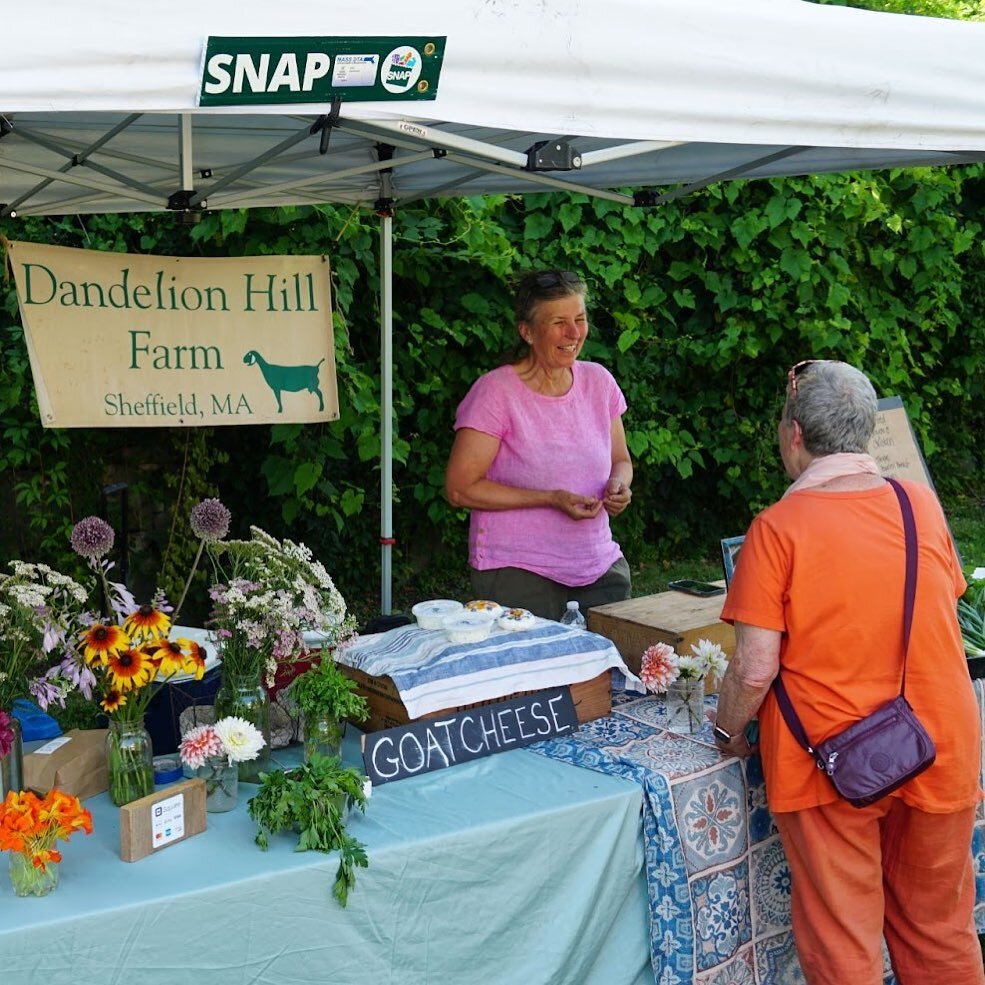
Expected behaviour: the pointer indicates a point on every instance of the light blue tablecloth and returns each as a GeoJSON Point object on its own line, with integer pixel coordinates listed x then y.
{"type": "Point", "coordinates": [509, 869]}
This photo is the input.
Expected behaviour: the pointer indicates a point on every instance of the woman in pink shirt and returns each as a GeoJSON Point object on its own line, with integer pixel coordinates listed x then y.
{"type": "Point", "coordinates": [540, 459]}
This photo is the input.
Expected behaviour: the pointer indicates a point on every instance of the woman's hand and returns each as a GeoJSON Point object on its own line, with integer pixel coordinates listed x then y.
{"type": "Point", "coordinates": [617, 497]}
{"type": "Point", "coordinates": [576, 506]}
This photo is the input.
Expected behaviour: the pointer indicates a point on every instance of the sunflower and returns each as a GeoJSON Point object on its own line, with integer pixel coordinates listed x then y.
{"type": "Point", "coordinates": [100, 640]}
{"type": "Point", "coordinates": [113, 700]}
{"type": "Point", "coordinates": [130, 669]}
{"type": "Point", "coordinates": [147, 624]}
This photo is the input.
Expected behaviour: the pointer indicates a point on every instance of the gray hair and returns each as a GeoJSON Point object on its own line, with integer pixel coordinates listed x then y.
{"type": "Point", "coordinates": [545, 285]}
{"type": "Point", "coordinates": [835, 406]}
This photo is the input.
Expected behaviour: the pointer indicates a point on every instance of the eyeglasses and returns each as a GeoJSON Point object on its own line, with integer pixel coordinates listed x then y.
{"type": "Point", "coordinates": [554, 278]}
{"type": "Point", "coordinates": [795, 370]}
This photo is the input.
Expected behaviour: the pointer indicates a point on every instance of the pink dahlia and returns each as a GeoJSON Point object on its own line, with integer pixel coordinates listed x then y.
{"type": "Point", "coordinates": [198, 744]}
{"type": "Point", "coordinates": [659, 668]}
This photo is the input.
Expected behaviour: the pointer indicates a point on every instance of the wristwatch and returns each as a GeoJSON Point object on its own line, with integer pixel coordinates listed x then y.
{"type": "Point", "coordinates": [725, 738]}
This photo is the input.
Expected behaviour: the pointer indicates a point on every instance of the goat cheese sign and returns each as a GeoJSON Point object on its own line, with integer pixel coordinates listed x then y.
{"type": "Point", "coordinates": [120, 340]}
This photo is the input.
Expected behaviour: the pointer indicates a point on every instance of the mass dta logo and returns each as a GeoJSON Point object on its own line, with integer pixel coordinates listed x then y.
{"type": "Point", "coordinates": [401, 69]}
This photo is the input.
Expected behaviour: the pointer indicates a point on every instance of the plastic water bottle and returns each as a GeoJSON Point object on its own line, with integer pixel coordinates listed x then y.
{"type": "Point", "coordinates": [573, 617]}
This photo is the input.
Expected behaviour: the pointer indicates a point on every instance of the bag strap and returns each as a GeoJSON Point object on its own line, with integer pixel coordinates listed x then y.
{"type": "Point", "coordinates": [787, 709]}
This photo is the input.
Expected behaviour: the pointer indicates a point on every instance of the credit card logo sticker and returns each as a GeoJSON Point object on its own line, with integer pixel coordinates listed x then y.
{"type": "Point", "coordinates": [355, 70]}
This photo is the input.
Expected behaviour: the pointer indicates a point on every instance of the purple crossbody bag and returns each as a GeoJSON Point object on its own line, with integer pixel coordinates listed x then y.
{"type": "Point", "coordinates": [888, 747]}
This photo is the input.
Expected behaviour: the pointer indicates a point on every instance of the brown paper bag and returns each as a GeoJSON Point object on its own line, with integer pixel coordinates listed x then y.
{"type": "Point", "coordinates": [76, 766]}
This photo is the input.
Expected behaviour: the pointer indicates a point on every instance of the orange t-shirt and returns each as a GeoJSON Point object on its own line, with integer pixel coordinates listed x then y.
{"type": "Point", "coordinates": [827, 570]}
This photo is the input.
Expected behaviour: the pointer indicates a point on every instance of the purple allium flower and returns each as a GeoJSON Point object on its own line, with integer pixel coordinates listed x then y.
{"type": "Point", "coordinates": [92, 537]}
{"type": "Point", "coordinates": [210, 520]}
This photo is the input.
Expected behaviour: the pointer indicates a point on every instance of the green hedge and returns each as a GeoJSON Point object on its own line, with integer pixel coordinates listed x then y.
{"type": "Point", "coordinates": [698, 307]}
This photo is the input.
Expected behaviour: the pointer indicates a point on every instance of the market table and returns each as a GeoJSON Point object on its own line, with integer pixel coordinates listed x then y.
{"type": "Point", "coordinates": [719, 884]}
{"type": "Point", "coordinates": [514, 868]}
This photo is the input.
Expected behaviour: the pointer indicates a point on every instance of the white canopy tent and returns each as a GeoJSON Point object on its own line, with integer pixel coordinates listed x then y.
{"type": "Point", "coordinates": [100, 108]}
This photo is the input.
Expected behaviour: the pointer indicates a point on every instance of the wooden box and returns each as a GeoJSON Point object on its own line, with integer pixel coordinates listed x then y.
{"type": "Point", "coordinates": [667, 617]}
{"type": "Point", "coordinates": [592, 699]}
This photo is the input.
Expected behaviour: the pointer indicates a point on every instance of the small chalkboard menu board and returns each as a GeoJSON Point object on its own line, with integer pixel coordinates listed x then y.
{"type": "Point", "coordinates": [467, 734]}
{"type": "Point", "coordinates": [894, 445]}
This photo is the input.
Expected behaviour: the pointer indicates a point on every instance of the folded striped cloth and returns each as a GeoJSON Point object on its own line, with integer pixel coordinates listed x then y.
{"type": "Point", "coordinates": [430, 673]}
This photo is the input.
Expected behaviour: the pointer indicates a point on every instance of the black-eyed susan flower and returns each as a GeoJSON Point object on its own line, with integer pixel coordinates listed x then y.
{"type": "Point", "coordinates": [100, 640]}
{"type": "Point", "coordinates": [168, 655]}
{"type": "Point", "coordinates": [130, 669]}
{"type": "Point", "coordinates": [147, 624]}
{"type": "Point", "coordinates": [113, 700]}
{"type": "Point", "coordinates": [194, 658]}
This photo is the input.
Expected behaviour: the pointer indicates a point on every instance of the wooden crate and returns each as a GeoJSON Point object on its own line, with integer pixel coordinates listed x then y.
{"type": "Point", "coordinates": [667, 617]}
{"type": "Point", "coordinates": [592, 699]}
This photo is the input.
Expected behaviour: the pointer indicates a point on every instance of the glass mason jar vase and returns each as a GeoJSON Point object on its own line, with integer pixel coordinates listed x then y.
{"type": "Point", "coordinates": [12, 765]}
{"type": "Point", "coordinates": [129, 762]}
{"type": "Point", "coordinates": [247, 698]}
{"type": "Point", "coordinates": [221, 784]}
{"type": "Point", "coordinates": [685, 702]}
{"type": "Point", "coordinates": [27, 880]}
{"type": "Point", "coordinates": [323, 735]}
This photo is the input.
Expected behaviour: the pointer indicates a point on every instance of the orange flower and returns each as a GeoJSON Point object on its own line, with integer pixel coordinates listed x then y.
{"type": "Point", "coordinates": [32, 825]}
{"type": "Point", "coordinates": [130, 669]}
{"type": "Point", "coordinates": [113, 700]}
{"type": "Point", "coordinates": [100, 640]}
{"type": "Point", "coordinates": [147, 624]}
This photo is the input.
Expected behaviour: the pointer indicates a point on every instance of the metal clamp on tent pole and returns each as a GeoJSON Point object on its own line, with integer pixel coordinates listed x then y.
{"type": "Point", "coordinates": [181, 201]}
{"type": "Point", "coordinates": [324, 125]}
{"type": "Point", "coordinates": [384, 204]}
{"type": "Point", "coordinates": [553, 155]}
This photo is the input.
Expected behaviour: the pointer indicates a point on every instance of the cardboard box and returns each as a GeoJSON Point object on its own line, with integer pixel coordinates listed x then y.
{"type": "Point", "coordinates": [667, 617]}
{"type": "Point", "coordinates": [592, 699]}
{"type": "Point", "coordinates": [76, 766]}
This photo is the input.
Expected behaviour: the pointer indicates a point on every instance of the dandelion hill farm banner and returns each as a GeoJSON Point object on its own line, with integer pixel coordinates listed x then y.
{"type": "Point", "coordinates": [120, 340]}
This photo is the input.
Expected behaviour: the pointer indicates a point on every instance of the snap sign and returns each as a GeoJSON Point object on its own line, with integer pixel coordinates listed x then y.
{"type": "Point", "coordinates": [265, 71]}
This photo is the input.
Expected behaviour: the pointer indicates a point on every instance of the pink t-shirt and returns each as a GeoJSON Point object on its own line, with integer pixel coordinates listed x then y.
{"type": "Point", "coordinates": [545, 443]}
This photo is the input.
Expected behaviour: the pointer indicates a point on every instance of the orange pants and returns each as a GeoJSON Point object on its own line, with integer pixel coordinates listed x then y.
{"type": "Point", "coordinates": [883, 870]}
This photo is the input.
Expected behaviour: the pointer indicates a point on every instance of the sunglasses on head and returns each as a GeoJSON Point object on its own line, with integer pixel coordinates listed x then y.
{"type": "Point", "coordinates": [795, 370]}
{"type": "Point", "coordinates": [555, 278]}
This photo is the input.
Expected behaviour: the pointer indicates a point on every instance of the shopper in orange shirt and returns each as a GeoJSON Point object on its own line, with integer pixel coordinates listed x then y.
{"type": "Point", "coordinates": [818, 592]}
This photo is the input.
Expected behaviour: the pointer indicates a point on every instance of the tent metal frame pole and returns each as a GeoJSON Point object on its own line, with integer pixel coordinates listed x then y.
{"type": "Point", "coordinates": [78, 158]}
{"type": "Point", "coordinates": [386, 412]}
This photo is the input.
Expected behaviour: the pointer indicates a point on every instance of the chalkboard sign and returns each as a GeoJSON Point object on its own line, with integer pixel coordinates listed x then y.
{"type": "Point", "coordinates": [472, 733]}
{"type": "Point", "coordinates": [894, 445]}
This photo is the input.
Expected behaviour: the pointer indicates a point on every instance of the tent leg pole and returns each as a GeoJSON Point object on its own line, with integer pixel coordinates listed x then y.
{"type": "Point", "coordinates": [386, 413]}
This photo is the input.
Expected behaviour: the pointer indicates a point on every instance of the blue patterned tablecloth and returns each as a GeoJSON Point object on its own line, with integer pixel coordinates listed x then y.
{"type": "Point", "coordinates": [719, 884]}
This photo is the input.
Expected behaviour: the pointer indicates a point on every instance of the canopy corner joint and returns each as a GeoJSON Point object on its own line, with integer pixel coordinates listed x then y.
{"type": "Point", "coordinates": [553, 155]}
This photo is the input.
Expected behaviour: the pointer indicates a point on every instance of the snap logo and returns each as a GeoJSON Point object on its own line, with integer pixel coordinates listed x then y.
{"type": "Point", "coordinates": [401, 69]}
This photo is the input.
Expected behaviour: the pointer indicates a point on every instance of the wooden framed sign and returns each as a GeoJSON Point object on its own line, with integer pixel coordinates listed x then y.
{"type": "Point", "coordinates": [472, 733]}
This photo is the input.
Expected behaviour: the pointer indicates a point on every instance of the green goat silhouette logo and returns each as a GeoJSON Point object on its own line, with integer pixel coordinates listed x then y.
{"type": "Point", "coordinates": [290, 378]}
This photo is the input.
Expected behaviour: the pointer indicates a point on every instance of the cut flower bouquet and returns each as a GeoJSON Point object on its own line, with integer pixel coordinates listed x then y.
{"type": "Point", "coordinates": [269, 594]}
{"type": "Point", "coordinates": [682, 678]}
{"type": "Point", "coordinates": [30, 826]}
{"type": "Point", "coordinates": [214, 752]}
